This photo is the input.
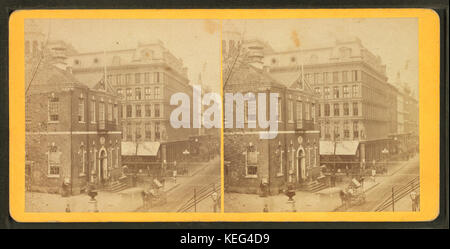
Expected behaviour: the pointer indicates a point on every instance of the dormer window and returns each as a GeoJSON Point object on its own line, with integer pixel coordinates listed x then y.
{"type": "Point", "coordinates": [293, 59]}
{"type": "Point", "coordinates": [95, 60]}
{"type": "Point", "coordinates": [274, 61]}
{"type": "Point", "coordinates": [76, 62]}
{"type": "Point", "coordinates": [313, 58]}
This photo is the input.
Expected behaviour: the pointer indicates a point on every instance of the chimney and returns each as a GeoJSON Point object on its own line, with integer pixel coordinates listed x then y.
{"type": "Point", "coordinates": [58, 52]}
{"type": "Point", "coordinates": [255, 53]}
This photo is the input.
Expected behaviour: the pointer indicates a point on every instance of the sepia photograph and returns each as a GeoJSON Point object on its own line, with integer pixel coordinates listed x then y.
{"type": "Point", "coordinates": [321, 115]}
{"type": "Point", "coordinates": [101, 133]}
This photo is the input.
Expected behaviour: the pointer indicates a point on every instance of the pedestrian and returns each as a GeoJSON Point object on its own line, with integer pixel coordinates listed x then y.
{"type": "Point", "coordinates": [343, 196]}
{"type": "Point", "coordinates": [414, 201]}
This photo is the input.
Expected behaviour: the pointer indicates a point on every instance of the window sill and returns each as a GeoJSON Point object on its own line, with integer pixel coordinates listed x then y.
{"type": "Point", "coordinates": [82, 175]}
{"type": "Point", "coordinates": [52, 176]}
{"type": "Point", "coordinates": [81, 122]}
{"type": "Point", "coordinates": [280, 174]}
{"type": "Point", "coordinates": [251, 176]}
{"type": "Point", "coordinates": [53, 122]}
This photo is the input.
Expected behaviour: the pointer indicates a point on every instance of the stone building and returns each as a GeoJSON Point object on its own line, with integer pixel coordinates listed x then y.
{"type": "Point", "coordinates": [356, 104]}
{"type": "Point", "coordinates": [293, 155]}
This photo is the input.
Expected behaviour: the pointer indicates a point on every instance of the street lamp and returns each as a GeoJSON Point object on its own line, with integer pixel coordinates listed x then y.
{"type": "Point", "coordinates": [186, 154]}
{"type": "Point", "coordinates": [385, 152]}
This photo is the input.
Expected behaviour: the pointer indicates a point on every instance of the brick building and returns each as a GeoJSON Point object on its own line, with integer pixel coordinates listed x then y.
{"type": "Point", "coordinates": [72, 130]}
{"type": "Point", "coordinates": [357, 107]}
{"type": "Point", "coordinates": [293, 155]}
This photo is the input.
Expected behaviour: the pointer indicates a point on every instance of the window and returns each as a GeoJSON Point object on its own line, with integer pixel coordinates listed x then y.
{"type": "Point", "coordinates": [129, 111]}
{"type": "Point", "coordinates": [355, 90]}
{"type": "Point", "coordinates": [355, 129]}
{"type": "Point", "coordinates": [157, 131]}
{"type": "Point", "coordinates": [346, 109]}
{"type": "Point", "coordinates": [110, 112]}
{"type": "Point", "coordinates": [336, 130]}
{"type": "Point", "coordinates": [138, 132]}
{"type": "Point", "coordinates": [326, 92]}
{"type": "Point", "coordinates": [156, 77]}
{"type": "Point", "coordinates": [327, 130]}
{"type": "Point", "coordinates": [336, 92]}
{"type": "Point", "coordinates": [81, 110]}
{"type": "Point", "coordinates": [138, 111]}
{"type": "Point", "coordinates": [148, 93]}
{"type": "Point", "coordinates": [157, 93]}
{"type": "Point", "coordinates": [308, 111]}
{"type": "Point", "coordinates": [345, 90]}
{"type": "Point", "coordinates": [93, 111]}
{"type": "Point", "coordinates": [355, 109]}
{"type": "Point", "coordinates": [137, 93]}
{"type": "Point", "coordinates": [129, 94]}
{"type": "Point", "coordinates": [317, 79]}
{"type": "Point", "coordinates": [120, 92]}
{"type": "Point", "coordinates": [251, 161]}
{"type": "Point", "coordinates": [157, 111]}
{"type": "Point", "coordinates": [101, 111]}
{"type": "Point", "coordinates": [326, 77]}
{"type": "Point", "coordinates": [129, 136]}
{"type": "Point", "coordinates": [116, 114]}
{"type": "Point", "coordinates": [344, 76]}
{"type": "Point", "coordinates": [336, 110]}
{"type": "Point", "coordinates": [317, 90]}
{"type": "Point", "coordinates": [279, 110]}
{"type": "Point", "coordinates": [335, 77]}
{"type": "Point", "coordinates": [280, 170]}
{"type": "Point", "coordinates": [346, 130]}
{"type": "Point", "coordinates": [118, 79]}
{"type": "Point", "coordinates": [53, 109]}
{"type": "Point", "coordinates": [137, 78]}
{"type": "Point", "coordinates": [327, 110]}
{"type": "Point", "coordinates": [82, 153]}
{"type": "Point", "coordinates": [148, 131]}
{"type": "Point", "coordinates": [127, 78]}
{"type": "Point", "coordinates": [356, 75]}
{"type": "Point", "coordinates": [299, 110]}
{"type": "Point", "coordinates": [146, 77]}
{"type": "Point", "coordinates": [319, 110]}
{"type": "Point", "coordinates": [291, 111]}
{"type": "Point", "coordinates": [54, 161]}
{"type": "Point", "coordinates": [148, 110]}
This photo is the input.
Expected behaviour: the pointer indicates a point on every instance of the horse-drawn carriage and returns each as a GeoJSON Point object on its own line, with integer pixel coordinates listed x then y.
{"type": "Point", "coordinates": [354, 194]}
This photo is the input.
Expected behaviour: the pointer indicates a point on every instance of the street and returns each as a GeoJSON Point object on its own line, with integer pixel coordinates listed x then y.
{"type": "Point", "coordinates": [206, 176]}
{"type": "Point", "coordinates": [380, 192]}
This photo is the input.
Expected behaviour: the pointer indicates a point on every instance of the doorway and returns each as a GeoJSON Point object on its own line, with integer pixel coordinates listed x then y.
{"type": "Point", "coordinates": [301, 168]}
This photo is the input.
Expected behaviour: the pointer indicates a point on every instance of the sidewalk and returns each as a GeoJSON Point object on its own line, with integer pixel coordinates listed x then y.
{"type": "Point", "coordinates": [106, 202]}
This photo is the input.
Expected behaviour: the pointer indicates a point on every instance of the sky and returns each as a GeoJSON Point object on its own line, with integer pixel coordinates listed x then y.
{"type": "Point", "coordinates": [196, 42]}
{"type": "Point", "coordinates": [395, 40]}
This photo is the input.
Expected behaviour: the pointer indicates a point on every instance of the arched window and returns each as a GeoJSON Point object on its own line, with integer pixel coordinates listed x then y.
{"type": "Point", "coordinates": [82, 154]}
{"type": "Point", "coordinates": [251, 160]}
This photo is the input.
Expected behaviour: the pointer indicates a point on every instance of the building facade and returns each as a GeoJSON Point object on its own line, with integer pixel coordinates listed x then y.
{"type": "Point", "coordinates": [292, 157]}
{"type": "Point", "coordinates": [356, 103]}
{"type": "Point", "coordinates": [146, 77]}
{"type": "Point", "coordinates": [72, 130]}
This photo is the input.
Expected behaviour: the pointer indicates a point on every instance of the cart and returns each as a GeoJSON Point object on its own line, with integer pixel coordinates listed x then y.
{"type": "Point", "coordinates": [356, 195]}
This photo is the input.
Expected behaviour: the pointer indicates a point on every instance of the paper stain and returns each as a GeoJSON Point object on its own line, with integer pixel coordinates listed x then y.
{"type": "Point", "coordinates": [295, 38]}
{"type": "Point", "coordinates": [210, 26]}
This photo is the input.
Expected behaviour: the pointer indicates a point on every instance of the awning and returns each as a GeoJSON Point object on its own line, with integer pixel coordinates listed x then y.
{"type": "Point", "coordinates": [343, 148]}
{"type": "Point", "coordinates": [140, 149]}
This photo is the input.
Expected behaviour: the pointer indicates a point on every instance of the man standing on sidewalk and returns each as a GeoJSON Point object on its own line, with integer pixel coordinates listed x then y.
{"type": "Point", "coordinates": [414, 201]}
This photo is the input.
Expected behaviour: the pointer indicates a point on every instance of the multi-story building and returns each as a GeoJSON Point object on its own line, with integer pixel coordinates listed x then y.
{"type": "Point", "coordinates": [355, 98]}
{"type": "Point", "coordinates": [406, 137]}
{"type": "Point", "coordinates": [72, 129]}
{"type": "Point", "coordinates": [146, 77]}
{"type": "Point", "coordinates": [293, 155]}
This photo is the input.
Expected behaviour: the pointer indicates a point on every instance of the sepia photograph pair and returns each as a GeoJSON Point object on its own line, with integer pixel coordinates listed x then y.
{"type": "Point", "coordinates": [221, 116]}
